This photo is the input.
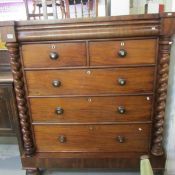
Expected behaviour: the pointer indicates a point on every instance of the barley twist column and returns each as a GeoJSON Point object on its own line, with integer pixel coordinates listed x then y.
{"type": "Point", "coordinates": [27, 139]}
{"type": "Point", "coordinates": [162, 83]}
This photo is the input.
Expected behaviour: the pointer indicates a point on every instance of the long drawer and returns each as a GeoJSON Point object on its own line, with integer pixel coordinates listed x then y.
{"type": "Point", "coordinates": [91, 109]}
{"type": "Point", "coordinates": [91, 81]}
{"type": "Point", "coordinates": [92, 138]}
{"type": "Point", "coordinates": [123, 52]}
{"type": "Point", "coordinates": [54, 55]}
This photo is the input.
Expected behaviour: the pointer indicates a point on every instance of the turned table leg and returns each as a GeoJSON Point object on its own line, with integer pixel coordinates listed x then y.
{"type": "Point", "coordinates": [34, 171]}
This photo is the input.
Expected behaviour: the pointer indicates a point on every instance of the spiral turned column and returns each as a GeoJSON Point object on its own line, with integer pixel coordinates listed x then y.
{"type": "Point", "coordinates": [27, 139]}
{"type": "Point", "coordinates": [162, 83]}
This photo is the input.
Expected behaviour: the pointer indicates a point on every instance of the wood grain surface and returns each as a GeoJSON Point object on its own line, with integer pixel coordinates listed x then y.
{"type": "Point", "coordinates": [138, 52]}
{"type": "Point", "coordinates": [90, 81]}
{"type": "Point", "coordinates": [92, 138]}
{"type": "Point", "coordinates": [92, 109]}
{"type": "Point", "coordinates": [69, 54]}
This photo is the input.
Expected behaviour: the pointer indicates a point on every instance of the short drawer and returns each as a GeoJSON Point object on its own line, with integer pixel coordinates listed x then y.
{"type": "Point", "coordinates": [54, 55]}
{"type": "Point", "coordinates": [91, 109]}
{"type": "Point", "coordinates": [123, 52]}
{"type": "Point", "coordinates": [92, 138]}
{"type": "Point", "coordinates": [92, 81]}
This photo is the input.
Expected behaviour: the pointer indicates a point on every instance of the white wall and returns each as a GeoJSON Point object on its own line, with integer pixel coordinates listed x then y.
{"type": "Point", "coordinates": [170, 117]}
{"type": "Point", "coordinates": [173, 6]}
{"type": "Point", "coordinates": [121, 8]}
{"type": "Point", "coordinates": [170, 5]}
{"type": "Point", "coordinates": [170, 109]}
{"type": "Point", "coordinates": [139, 6]}
{"type": "Point", "coordinates": [12, 11]}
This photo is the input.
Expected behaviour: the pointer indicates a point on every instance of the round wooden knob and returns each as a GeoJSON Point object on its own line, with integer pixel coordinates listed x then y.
{"type": "Point", "coordinates": [121, 81]}
{"type": "Point", "coordinates": [62, 139]}
{"type": "Point", "coordinates": [122, 53]}
{"type": "Point", "coordinates": [59, 110]}
{"type": "Point", "coordinates": [121, 139]}
{"type": "Point", "coordinates": [54, 55]}
{"type": "Point", "coordinates": [56, 83]}
{"type": "Point", "coordinates": [121, 110]}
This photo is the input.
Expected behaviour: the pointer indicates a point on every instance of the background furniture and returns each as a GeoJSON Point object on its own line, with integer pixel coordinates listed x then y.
{"type": "Point", "coordinates": [49, 3]}
{"type": "Point", "coordinates": [48, 8]}
{"type": "Point", "coordinates": [93, 94]}
{"type": "Point", "coordinates": [7, 100]}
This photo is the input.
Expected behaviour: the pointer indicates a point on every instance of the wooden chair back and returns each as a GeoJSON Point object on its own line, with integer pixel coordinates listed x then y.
{"type": "Point", "coordinates": [79, 9]}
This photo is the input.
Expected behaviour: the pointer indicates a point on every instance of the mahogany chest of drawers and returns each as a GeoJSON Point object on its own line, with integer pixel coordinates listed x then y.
{"type": "Point", "coordinates": [91, 93]}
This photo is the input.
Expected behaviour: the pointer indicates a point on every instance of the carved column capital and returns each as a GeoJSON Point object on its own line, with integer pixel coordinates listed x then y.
{"type": "Point", "coordinates": [162, 84]}
{"type": "Point", "coordinates": [28, 144]}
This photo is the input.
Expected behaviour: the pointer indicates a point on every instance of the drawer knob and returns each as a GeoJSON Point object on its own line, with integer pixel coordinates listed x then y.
{"type": "Point", "coordinates": [54, 55]}
{"type": "Point", "coordinates": [121, 139]}
{"type": "Point", "coordinates": [121, 110]}
{"type": "Point", "coordinates": [62, 139]}
{"type": "Point", "coordinates": [122, 53]}
{"type": "Point", "coordinates": [121, 81]}
{"type": "Point", "coordinates": [56, 83]}
{"type": "Point", "coordinates": [59, 110]}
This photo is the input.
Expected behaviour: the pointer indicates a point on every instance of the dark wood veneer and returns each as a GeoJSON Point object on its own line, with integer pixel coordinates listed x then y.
{"type": "Point", "coordinates": [93, 138]}
{"type": "Point", "coordinates": [90, 81]}
{"type": "Point", "coordinates": [106, 52]}
{"type": "Point", "coordinates": [92, 109]}
{"type": "Point", "coordinates": [69, 54]}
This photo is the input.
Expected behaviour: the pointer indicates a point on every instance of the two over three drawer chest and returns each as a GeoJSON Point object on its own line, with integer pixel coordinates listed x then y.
{"type": "Point", "coordinates": [91, 93]}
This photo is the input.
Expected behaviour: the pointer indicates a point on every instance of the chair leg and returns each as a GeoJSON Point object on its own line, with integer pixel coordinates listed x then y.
{"type": "Point", "coordinates": [67, 9]}
{"type": "Point", "coordinates": [39, 12]}
{"type": "Point", "coordinates": [63, 9]}
{"type": "Point", "coordinates": [34, 9]}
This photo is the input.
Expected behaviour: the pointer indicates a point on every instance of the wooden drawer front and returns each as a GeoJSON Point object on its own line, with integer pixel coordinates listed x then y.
{"type": "Point", "coordinates": [92, 138]}
{"type": "Point", "coordinates": [94, 81]}
{"type": "Point", "coordinates": [138, 52]}
{"type": "Point", "coordinates": [69, 54]}
{"type": "Point", "coordinates": [92, 109]}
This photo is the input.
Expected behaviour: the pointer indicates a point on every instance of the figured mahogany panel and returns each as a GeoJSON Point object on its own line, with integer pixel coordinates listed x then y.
{"type": "Point", "coordinates": [92, 109]}
{"type": "Point", "coordinates": [91, 81]}
{"type": "Point", "coordinates": [137, 52]}
{"type": "Point", "coordinates": [92, 138]}
{"type": "Point", "coordinates": [54, 55]}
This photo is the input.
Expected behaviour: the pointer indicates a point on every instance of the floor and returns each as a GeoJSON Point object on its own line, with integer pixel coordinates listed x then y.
{"type": "Point", "coordinates": [10, 162]}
